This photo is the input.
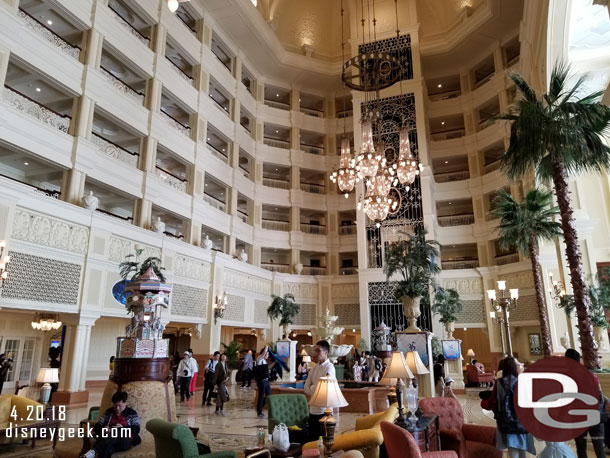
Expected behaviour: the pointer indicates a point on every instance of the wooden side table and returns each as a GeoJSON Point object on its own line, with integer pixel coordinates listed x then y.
{"type": "Point", "coordinates": [426, 433]}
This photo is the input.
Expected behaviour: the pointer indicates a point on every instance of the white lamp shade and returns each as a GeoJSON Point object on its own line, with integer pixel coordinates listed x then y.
{"type": "Point", "coordinates": [327, 394]}
{"type": "Point", "coordinates": [470, 352]}
{"type": "Point", "coordinates": [492, 314]}
{"type": "Point", "coordinates": [48, 375]}
{"type": "Point", "coordinates": [491, 294]}
{"type": "Point", "coordinates": [501, 285]}
{"type": "Point", "coordinates": [387, 381]}
{"type": "Point", "coordinates": [397, 368]}
{"type": "Point", "coordinates": [303, 353]}
{"type": "Point", "coordinates": [415, 364]}
{"type": "Point", "coordinates": [306, 359]}
{"type": "Point", "coordinates": [514, 293]}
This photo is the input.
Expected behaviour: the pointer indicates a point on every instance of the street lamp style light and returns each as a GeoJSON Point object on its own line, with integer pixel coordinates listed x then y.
{"type": "Point", "coordinates": [502, 306]}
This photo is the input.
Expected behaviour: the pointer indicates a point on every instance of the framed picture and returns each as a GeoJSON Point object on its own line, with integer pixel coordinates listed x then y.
{"type": "Point", "coordinates": [410, 341]}
{"type": "Point", "coordinates": [451, 350]}
{"type": "Point", "coordinates": [535, 347]}
{"type": "Point", "coordinates": [283, 349]}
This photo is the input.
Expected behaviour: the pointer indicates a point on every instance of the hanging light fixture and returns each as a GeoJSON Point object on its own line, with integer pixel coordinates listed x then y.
{"type": "Point", "coordinates": [172, 5]}
{"type": "Point", "coordinates": [46, 322]}
{"type": "Point", "coordinates": [407, 168]}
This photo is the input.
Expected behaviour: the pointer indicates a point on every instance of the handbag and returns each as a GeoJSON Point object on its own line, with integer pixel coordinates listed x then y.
{"type": "Point", "coordinates": [281, 437]}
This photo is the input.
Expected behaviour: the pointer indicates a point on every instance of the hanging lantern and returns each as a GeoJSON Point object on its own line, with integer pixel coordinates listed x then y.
{"type": "Point", "coordinates": [407, 168]}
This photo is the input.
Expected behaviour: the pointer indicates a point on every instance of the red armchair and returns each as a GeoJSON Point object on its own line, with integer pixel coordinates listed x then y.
{"type": "Point", "coordinates": [467, 440]}
{"type": "Point", "coordinates": [399, 443]}
{"type": "Point", "coordinates": [478, 377]}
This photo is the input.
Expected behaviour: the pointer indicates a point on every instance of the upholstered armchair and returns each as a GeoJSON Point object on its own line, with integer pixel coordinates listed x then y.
{"type": "Point", "coordinates": [399, 443]}
{"type": "Point", "coordinates": [467, 440]}
{"type": "Point", "coordinates": [290, 409]}
{"type": "Point", "coordinates": [478, 377]}
{"type": "Point", "coordinates": [367, 438]}
{"type": "Point", "coordinates": [173, 440]}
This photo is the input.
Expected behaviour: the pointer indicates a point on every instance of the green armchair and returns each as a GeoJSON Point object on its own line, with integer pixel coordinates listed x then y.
{"type": "Point", "coordinates": [177, 441]}
{"type": "Point", "coordinates": [290, 409]}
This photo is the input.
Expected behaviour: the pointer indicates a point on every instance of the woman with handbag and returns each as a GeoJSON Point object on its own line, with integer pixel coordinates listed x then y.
{"type": "Point", "coordinates": [220, 377]}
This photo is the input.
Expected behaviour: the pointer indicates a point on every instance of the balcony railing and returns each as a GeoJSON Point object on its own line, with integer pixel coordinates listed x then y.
{"type": "Point", "coordinates": [460, 264]}
{"type": "Point", "coordinates": [130, 28]}
{"type": "Point", "coordinates": [313, 228]}
{"type": "Point", "coordinates": [273, 267]}
{"type": "Point", "coordinates": [276, 225]}
{"type": "Point", "coordinates": [170, 179]}
{"type": "Point", "coordinates": [22, 102]}
{"type": "Point", "coordinates": [214, 202]}
{"type": "Point", "coordinates": [186, 130]}
{"type": "Point", "coordinates": [484, 79]}
{"type": "Point", "coordinates": [447, 177]}
{"type": "Point", "coordinates": [448, 134]}
{"type": "Point", "coordinates": [313, 188]}
{"type": "Point", "coordinates": [47, 192]}
{"type": "Point", "coordinates": [115, 151]}
{"type": "Point", "coordinates": [224, 109]}
{"type": "Point", "coordinates": [219, 153]}
{"type": "Point", "coordinates": [42, 30]}
{"type": "Point", "coordinates": [312, 149]}
{"type": "Point", "coordinates": [276, 104]}
{"type": "Point", "coordinates": [345, 114]}
{"type": "Point", "coordinates": [456, 220]}
{"type": "Point", "coordinates": [179, 71]}
{"type": "Point", "coordinates": [114, 215]}
{"type": "Point", "coordinates": [275, 183]}
{"type": "Point", "coordinates": [349, 270]}
{"type": "Point", "coordinates": [512, 61]}
{"type": "Point", "coordinates": [283, 144]}
{"type": "Point", "coordinates": [507, 259]}
{"type": "Point", "coordinates": [174, 236]}
{"type": "Point", "coordinates": [310, 270]}
{"type": "Point", "coordinates": [242, 216]}
{"type": "Point", "coordinates": [193, 31]}
{"type": "Point", "coordinates": [347, 229]}
{"type": "Point", "coordinates": [312, 112]}
{"type": "Point", "coordinates": [445, 95]}
{"type": "Point", "coordinates": [122, 86]}
{"type": "Point", "coordinates": [495, 165]}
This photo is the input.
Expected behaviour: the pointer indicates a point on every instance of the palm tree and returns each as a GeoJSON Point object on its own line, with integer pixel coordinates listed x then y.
{"type": "Point", "coordinates": [558, 133]}
{"type": "Point", "coordinates": [522, 225]}
{"type": "Point", "coordinates": [285, 308]}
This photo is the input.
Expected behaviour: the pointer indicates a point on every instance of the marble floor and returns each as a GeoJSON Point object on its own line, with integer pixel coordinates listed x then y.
{"type": "Point", "coordinates": [237, 430]}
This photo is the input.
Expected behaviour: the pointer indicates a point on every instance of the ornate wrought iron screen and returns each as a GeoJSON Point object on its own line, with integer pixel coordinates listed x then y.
{"type": "Point", "coordinates": [399, 47]}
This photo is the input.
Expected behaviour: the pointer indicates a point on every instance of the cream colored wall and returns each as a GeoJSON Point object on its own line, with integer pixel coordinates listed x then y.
{"type": "Point", "coordinates": [103, 346]}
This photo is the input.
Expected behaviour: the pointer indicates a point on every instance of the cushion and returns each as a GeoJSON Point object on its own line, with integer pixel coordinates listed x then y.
{"type": "Point", "coordinates": [480, 449]}
{"type": "Point", "coordinates": [5, 408]}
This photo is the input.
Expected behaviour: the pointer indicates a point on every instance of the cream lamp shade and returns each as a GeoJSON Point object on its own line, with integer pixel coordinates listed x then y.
{"type": "Point", "coordinates": [416, 365]}
{"type": "Point", "coordinates": [327, 394]}
{"type": "Point", "coordinates": [48, 375]}
{"type": "Point", "coordinates": [303, 353]}
{"type": "Point", "coordinates": [397, 367]}
{"type": "Point", "coordinates": [470, 352]}
{"type": "Point", "coordinates": [306, 359]}
{"type": "Point", "coordinates": [387, 381]}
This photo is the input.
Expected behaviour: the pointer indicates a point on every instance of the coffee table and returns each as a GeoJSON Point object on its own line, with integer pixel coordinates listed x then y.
{"type": "Point", "coordinates": [295, 451]}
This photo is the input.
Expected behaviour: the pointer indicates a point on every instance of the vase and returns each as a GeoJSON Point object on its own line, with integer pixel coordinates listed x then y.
{"type": "Point", "coordinates": [298, 268]}
{"type": "Point", "coordinates": [243, 256]}
{"type": "Point", "coordinates": [411, 310]}
{"type": "Point", "coordinates": [601, 337]}
{"type": "Point", "coordinates": [90, 202]}
{"type": "Point", "coordinates": [158, 226]}
{"type": "Point", "coordinates": [207, 243]}
{"type": "Point", "coordinates": [449, 328]}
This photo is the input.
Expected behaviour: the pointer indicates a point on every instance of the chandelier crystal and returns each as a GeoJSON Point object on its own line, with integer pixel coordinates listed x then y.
{"type": "Point", "coordinates": [346, 176]}
{"type": "Point", "coordinates": [368, 160]}
{"type": "Point", "coordinates": [46, 322]}
{"type": "Point", "coordinates": [407, 168]}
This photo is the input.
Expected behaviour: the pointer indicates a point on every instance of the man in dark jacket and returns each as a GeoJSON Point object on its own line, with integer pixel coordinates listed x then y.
{"type": "Point", "coordinates": [117, 430]}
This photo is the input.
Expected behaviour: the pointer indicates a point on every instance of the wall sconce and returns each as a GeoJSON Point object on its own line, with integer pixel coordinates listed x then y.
{"type": "Point", "coordinates": [4, 260]}
{"type": "Point", "coordinates": [220, 305]}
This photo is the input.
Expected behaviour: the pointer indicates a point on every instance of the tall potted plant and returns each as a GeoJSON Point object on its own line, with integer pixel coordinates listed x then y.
{"type": "Point", "coordinates": [448, 305]}
{"type": "Point", "coordinates": [232, 352]}
{"type": "Point", "coordinates": [415, 259]}
{"type": "Point", "coordinates": [285, 308]}
{"type": "Point", "coordinates": [557, 134]}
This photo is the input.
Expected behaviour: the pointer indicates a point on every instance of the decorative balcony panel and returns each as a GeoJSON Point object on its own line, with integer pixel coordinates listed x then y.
{"type": "Point", "coordinates": [214, 202]}
{"type": "Point", "coordinates": [32, 108]}
{"type": "Point", "coordinates": [456, 220]}
{"type": "Point", "coordinates": [276, 225]}
{"type": "Point", "coordinates": [48, 35]}
{"type": "Point", "coordinates": [272, 267]}
{"type": "Point", "coordinates": [171, 180]}
{"type": "Point", "coordinates": [127, 26]}
{"type": "Point", "coordinates": [179, 71]}
{"type": "Point", "coordinates": [115, 151]}
{"type": "Point", "coordinates": [451, 176]}
{"type": "Point", "coordinates": [274, 183]}
{"type": "Point", "coordinates": [460, 264]}
{"type": "Point", "coordinates": [313, 188]}
{"type": "Point", "coordinates": [122, 87]}
{"type": "Point", "coordinates": [347, 230]}
{"type": "Point", "coordinates": [176, 125]}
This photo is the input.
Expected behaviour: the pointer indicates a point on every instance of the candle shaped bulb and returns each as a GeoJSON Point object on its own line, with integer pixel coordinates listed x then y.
{"type": "Point", "coordinates": [501, 285]}
{"type": "Point", "coordinates": [562, 293]}
{"type": "Point", "coordinates": [514, 293]}
{"type": "Point", "coordinates": [7, 259]}
{"type": "Point", "coordinates": [551, 275]}
{"type": "Point", "coordinates": [555, 283]}
{"type": "Point", "coordinates": [2, 266]}
{"type": "Point", "coordinates": [4, 275]}
{"type": "Point", "coordinates": [492, 314]}
{"type": "Point", "coordinates": [2, 243]}
{"type": "Point", "coordinates": [491, 294]}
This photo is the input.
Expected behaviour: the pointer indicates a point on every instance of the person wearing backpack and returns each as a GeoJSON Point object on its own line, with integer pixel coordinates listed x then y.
{"type": "Point", "coordinates": [510, 434]}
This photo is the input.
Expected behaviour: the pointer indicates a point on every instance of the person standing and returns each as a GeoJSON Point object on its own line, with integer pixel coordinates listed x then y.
{"type": "Point", "coordinates": [510, 433]}
{"type": "Point", "coordinates": [596, 432]}
{"type": "Point", "coordinates": [220, 377]}
{"type": "Point", "coordinates": [208, 379]}
{"type": "Point", "coordinates": [261, 375]}
{"type": "Point", "coordinates": [6, 364]}
{"type": "Point", "coordinates": [175, 362]}
{"type": "Point", "coordinates": [373, 364]}
{"type": "Point", "coordinates": [439, 376]}
{"type": "Point", "coordinates": [193, 383]}
{"type": "Point", "coordinates": [185, 372]}
{"type": "Point", "coordinates": [246, 370]}
{"type": "Point", "coordinates": [322, 368]}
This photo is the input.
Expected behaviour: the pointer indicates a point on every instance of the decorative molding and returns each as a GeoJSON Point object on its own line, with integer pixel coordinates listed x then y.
{"type": "Point", "coordinates": [464, 285]}
{"type": "Point", "coordinates": [521, 280]}
{"type": "Point", "coordinates": [349, 314]}
{"type": "Point", "coordinates": [45, 33]}
{"type": "Point", "coordinates": [120, 248]}
{"type": "Point", "coordinates": [345, 291]}
{"type": "Point", "coordinates": [306, 316]}
{"type": "Point", "coordinates": [302, 290]}
{"type": "Point", "coordinates": [236, 308]}
{"type": "Point", "coordinates": [193, 268]}
{"type": "Point", "coordinates": [526, 310]}
{"type": "Point", "coordinates": [52, 232]}
{"type": "Point", "coordinates": [260, 312]}
{"type": "Point", "coordinates": [238, 280]}
{"type": "Point", "coordinates": [19, 102]}
{"type": "Point", "coordinates": [170, 180]}
{"type": "Point", "coordinates": [112, 150]}
{"type": "Point", "coordinates": [473, 312]}
{"type": "Point", "coordinates": [189, 301]}
{"type": "Point", "coordinates": [42, 280]}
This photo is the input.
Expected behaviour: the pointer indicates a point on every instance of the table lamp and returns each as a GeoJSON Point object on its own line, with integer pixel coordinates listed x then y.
{"type": "Point", "coordinates": [391, 382]}
{"type": "Point", "coordinates": [47, 375]}
{"type": "Point", "coordinates": [398, 369]}
{"type": "Point", "coordinates": [306, 361]}
{"type": "Point", "coordinates": [470, 354]}
{"type": "Point", "coordinates": [328, 395]}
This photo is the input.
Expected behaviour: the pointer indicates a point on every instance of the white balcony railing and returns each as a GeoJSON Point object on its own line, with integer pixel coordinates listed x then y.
{"type": "Point", "coordinates": [312, 149]}
{"type": "Point", "coordinates": [309, 270]}
{"type": "Point", "coordinates": [495, 165]}
{"type": "Point", "coordinates": [122, 87]}
{"type": "Point", "coordinates": [32, 108]}
{"type": "Point", "coordinates": [273, 267]}
{"type": "Point", "coordinates": [349, 270]}
{"type": "Point", "coordinates": [276, 225]}
{"type": "Point", "coordinates": [130, 28]}
{"type": "Point", "coordinates": [115, 151]}
{"type": "Point", "coordinates": [460, 264]}
{"type": "Point", "coordinates": [171, 179]}
{"type": "Point", "coordinates": [347, 229]}
{"type": "Point", "coordinates": [448, 135]}
{"type": "Point", "coordinates": [484, 79]}
{"type": "Point", "coordinates": [313, 228]}
{"type": "Point", "coordinates": [176, 124]}
{"type": "Point", "coordinates": [46, 33]}
{"type": "Point", "coordinates": [445, 95]}
{"type": "Point", "coordinates": [456, 220]}
{"type": "Point", "coordinates": [312, 112]}
{"type": "Point", "coordinates": [313, 188]}
{"type": "Point", "coordinates": [180, 72]}
{"type": "Point", "coordinates": [283, 144]}
{"type": "Point", "coordinates": [275, 183]}
{"type": "Point", "coordinates": [214, 202]}
{"type": "Point", "coordinates": [447, 177]}
{"type": "Point", "coordinates": [275, 104]}
{"type": "Point", "coordinates": [507, 259]}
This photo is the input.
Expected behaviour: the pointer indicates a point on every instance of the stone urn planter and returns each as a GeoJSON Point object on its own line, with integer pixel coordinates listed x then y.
{"type": "Point", "coordinates": [158, 226]}
{"type": "Point", "coordinates": [449, 328]}
{"type": "Point", "coordinates": [601, 337]}
{"type": "Point", "coordinates": [411, 311]}
{"type": "Point", "coordinates": [243, 256]}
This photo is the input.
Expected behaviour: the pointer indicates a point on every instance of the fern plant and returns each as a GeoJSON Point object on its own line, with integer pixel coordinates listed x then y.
{"type": "Point", "coordinates": [447, 304]}
{"type": "Point", "coordinates": [232, 352]}
{"type": "Point", "coordinates": [285, 308]}
{"type": "Point", "coordinates": [128, 266]}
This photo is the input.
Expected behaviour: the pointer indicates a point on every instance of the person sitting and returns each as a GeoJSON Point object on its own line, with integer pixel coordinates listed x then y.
{"type": "Point", "coordinates": [119, 416]}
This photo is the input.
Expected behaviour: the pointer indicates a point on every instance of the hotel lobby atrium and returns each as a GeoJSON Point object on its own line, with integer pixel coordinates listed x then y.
{"type": "Point", "coordinates": [201, 176]}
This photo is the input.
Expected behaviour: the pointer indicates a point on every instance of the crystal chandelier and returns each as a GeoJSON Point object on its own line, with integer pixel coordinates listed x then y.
{"type": "Point", "coordinates": [346, 176]}
{"type": "Point", "coordinates": [46, 322]}
{"type": "Point", "coordinates": [407, 168]}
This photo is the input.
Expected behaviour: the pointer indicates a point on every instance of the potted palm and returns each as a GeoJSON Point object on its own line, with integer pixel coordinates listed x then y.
{"type": "Point", "coordinates": [448, 305]}
{"type": "Point", "coordinates": [414, 258]}
{"type": "Point", "coordinates": [232, 352]}
{"type": "Point", "coordinates": [522, 225]}
{"type": "Point", "coordinates": [285, 308]}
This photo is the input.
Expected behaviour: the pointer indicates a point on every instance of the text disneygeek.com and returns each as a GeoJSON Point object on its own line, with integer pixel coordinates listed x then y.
{"type": "Point", "coordinates": [64, 432]}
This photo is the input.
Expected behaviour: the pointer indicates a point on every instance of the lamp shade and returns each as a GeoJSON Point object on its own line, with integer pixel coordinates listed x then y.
{"type": "Point", "coordinates": [470, 352]}
{"type": "Point", "coordinates": [387, 381]}
{"type": "Point", "coordinates": [397, 368]}
{"type": "Point", "coordinates": [48, 375]}
{"type": "Point", "coordinates": [327, 394]}
{"type": "Point", "coordinates": [416, 365]}
{"type": "Point", "coordinates": [306, 359]}
{"type": "Point", "coordinates": [303, 353]}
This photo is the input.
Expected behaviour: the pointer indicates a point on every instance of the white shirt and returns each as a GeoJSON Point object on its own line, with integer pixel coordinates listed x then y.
{"type": "Point", "coordinates": [211, 365]}
{"type": "Point", "coordinates": [195, 365]}
{"type": "Point", "coordinates": [319, 370]}
{"type": "Point", "coordinates": [185, 366]}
